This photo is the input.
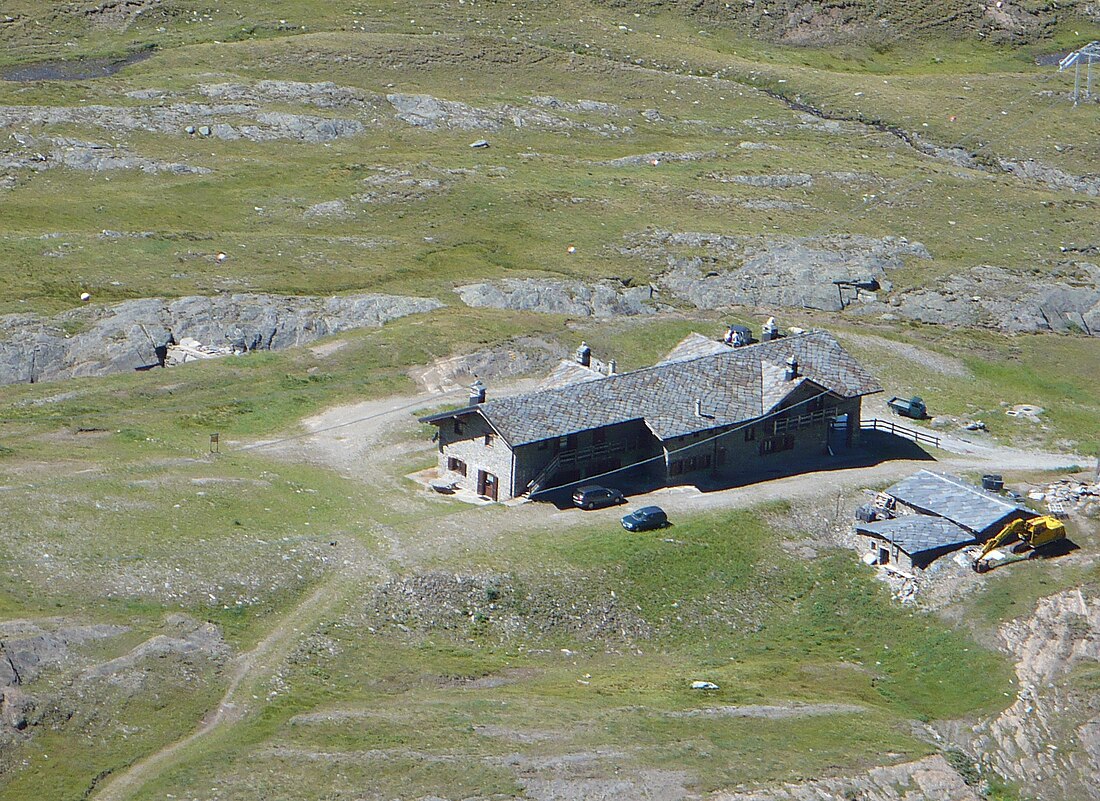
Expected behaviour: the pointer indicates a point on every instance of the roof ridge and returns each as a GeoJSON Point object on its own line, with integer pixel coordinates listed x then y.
{"type": "Point", "coordinates": [665, 365]}
{"type": "Point", "coordinates": [962, 484]}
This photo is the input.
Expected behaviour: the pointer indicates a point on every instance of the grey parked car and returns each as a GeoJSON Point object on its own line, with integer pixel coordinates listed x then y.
{"type": "Point", "coordinates": [594, 497]}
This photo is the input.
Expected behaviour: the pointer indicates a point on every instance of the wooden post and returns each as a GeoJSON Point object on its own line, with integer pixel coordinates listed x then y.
{"type": "Point", "coordinates": [215, 445]}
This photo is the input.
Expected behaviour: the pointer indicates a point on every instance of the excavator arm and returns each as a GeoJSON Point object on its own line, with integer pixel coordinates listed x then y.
{"type": "Point", "coordinates": [1033, 533]}
{"type": "Point", "coordinates": [1014, 529]}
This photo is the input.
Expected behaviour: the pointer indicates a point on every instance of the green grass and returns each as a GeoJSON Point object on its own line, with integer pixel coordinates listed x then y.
{"type": "Point", "coordinates": [724, 602]}
{"type": "Point", "coordinates": [821, 631]}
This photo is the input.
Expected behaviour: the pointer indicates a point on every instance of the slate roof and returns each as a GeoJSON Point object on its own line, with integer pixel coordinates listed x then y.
{"type": "Point", "coordinates": [693, 346]}
{"type": "Point", "coordinates": [916, 534]}
{"type": "Point", "coordinates": [731, 385]}
{"type": "Point", "coordinates": [956, 500]}
{"type": "Point", "coordinates": [569, 372]}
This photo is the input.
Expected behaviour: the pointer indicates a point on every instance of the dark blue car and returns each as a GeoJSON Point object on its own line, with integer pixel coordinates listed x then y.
{"type": "Point", "coordinates": [646, 518]}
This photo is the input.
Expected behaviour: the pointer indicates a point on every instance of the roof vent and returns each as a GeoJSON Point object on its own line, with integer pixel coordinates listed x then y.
{"type": "Point", "coordinates": [584, 355]}
{"type": "Point", "coordinates": [477, 392]}
{"type": "Point", "coordinates": [791, 373]}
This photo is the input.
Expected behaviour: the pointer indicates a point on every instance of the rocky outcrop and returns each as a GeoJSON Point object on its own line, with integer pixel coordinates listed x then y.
{"type": "Point", "coordinates": [713, 271]}
{"type": "Point", "coordinates": [786, 181]}
{"type": "Point", "coordinates": [222, 121]}
{"type": "Point", "coordinates": [323, 94]}
{"type": "Point", "coordinates": [573, 298]}
{"type": "Point", "coordinates": [433, 114]}
{"type": "Point", "coordinates": [1052, 177]}
{"type": "Point", "coordinates": [928, 779]}
{"type": "Point", "coordinates": [37, 155]}
{"type": "Point", "coordinates": [1048, 741]}
{"type": "Point", "coordinates": [126, 336]}
{"type": "Point", "coordinates": [659, 157]}
{"type": "Point", "coordinates": [1067, 300]}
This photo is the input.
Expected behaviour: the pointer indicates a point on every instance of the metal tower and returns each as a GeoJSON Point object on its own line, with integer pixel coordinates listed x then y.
{"type": "Point", "coordinates": [1087, 54]}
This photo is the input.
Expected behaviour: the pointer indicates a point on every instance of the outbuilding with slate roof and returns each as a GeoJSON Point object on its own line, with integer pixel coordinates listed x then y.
{"type": "Point", "coordinates": [708, 408]}
{"type": "Point", "coordinates": [937, 513]}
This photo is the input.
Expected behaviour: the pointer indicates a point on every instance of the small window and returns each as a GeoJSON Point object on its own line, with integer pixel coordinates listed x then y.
{"type": "Point", "coordinates": [459, 426]}
{"type": "Point", "coordinates": [490, 437]}
{"type": "Point", "coordinates": [456, 465]}
{"type": "Point", "coordinates": [567, 443]}
{"type": "Point", "coordinates": [775, 444]}
{"type": "Point", "coordinates": [750, 433]}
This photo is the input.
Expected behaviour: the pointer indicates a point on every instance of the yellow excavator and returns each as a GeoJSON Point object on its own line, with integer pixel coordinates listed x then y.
{"type": "Point", "coordinates": [1033, 533]}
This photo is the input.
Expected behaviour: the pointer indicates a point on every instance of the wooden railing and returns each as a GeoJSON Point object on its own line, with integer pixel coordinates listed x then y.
{"type": "Point", "coordinates": [783, 424]}
{"type": "Point", "coordinates": [889, 426]}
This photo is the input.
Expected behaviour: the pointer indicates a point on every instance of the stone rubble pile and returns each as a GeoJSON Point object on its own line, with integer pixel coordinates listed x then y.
{"type": "Point", "coordinates": [1070, 495]}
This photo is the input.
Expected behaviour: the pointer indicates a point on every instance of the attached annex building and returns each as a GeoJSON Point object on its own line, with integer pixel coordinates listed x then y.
{"type": "Point", "coordinates": [708, 409]}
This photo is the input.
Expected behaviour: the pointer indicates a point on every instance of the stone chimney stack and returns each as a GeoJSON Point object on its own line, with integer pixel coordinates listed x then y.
{"type": "Point", "coordinates": [477, 392]}
{"type": "Point", "coordinates": [584, 355]}
{"type": "Point", "coordinates": [612, 367]}
{"type": "Point", "coordinates": [791, 373]}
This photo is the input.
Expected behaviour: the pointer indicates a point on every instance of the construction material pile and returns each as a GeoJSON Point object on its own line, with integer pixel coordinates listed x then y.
{"type": "Point", "coordinates": [1068, 495]}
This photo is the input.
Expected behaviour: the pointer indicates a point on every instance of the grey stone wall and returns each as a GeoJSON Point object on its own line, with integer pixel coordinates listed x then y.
{"type": "Point", "coordinates": [739, 452]}
{"type": "Point", "coordinates": [470, 447]}
{"type": "Point", "coordinates": [586, 453]}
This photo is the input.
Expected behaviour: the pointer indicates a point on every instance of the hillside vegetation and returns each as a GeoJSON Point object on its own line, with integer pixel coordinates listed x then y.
{"type": "Point", "coordinates": [337, 634]}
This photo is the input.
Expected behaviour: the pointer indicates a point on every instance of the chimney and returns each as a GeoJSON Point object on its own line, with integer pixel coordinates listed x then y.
{"type": "Point", "coordinates": [612, 367]}
{"type": "Point", "coordinates": [584, 355]}
{"type": "Point", "coordinates": [770, 330]}
{"type": "Point", "coordinates": [477, 392]}
{"type": "Point", "coordinates": [791, 373]}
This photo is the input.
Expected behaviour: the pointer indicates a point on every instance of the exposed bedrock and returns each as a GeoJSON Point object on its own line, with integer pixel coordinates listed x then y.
{"type": "Point", "coordinates": [601, 299]}
{"type": "Point", "coordinates": [125, 336]}
{"type": "Point", "coordinates": [1065, 300]}
{"type": "Point", "coordinates": [1048, 740]}
{"type": "Point", "coordinates": [713, 271]}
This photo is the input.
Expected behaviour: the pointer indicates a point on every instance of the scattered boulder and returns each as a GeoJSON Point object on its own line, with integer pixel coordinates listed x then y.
{"type": "Point", "coordinates": [560, 297]}
{"type": "Point", "coordinates": [127, 336]}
